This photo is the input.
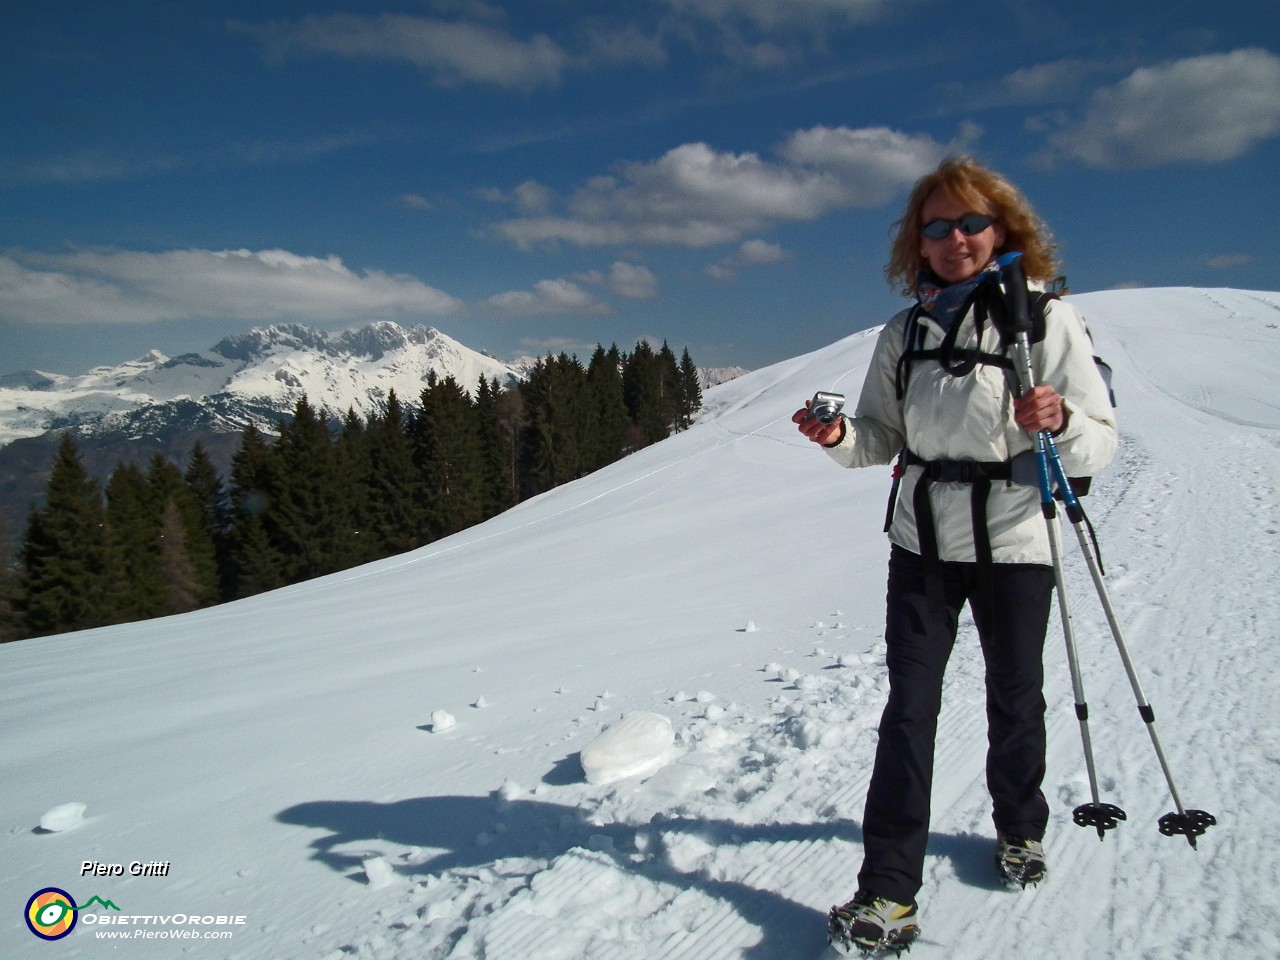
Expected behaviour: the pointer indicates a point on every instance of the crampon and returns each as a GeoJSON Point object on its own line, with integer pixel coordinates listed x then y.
{"type": "Point", "coordinates": [1020, 862]}
{"type": "Point", "coordinates": [872, 925]}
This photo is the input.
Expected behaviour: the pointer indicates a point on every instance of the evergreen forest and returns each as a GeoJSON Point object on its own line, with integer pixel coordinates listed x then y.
{"type": "Point", "coordinates": [321, 496]}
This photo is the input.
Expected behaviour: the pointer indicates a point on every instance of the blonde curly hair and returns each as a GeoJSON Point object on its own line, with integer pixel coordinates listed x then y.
{"type": "Point", "coordinates": [982, 190]}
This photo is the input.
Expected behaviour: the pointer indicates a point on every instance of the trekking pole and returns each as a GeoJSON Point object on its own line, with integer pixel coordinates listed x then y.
{"type": "Point", "coordinates": [1183, 822]}
{"type": "Point", "coordinates": [1102, 816]}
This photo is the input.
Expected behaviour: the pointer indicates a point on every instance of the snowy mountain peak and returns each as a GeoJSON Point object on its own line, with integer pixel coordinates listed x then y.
{"type": "Point", "coordinates": [267, 369]}
{"type": "Point", "coordinates": [30, 380]}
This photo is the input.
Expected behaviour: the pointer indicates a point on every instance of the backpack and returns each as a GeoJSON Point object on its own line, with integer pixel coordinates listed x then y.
{"type": "Point", "coordinates": [961, 361]}
{"type": "Point", "coordinates": [988, 305]}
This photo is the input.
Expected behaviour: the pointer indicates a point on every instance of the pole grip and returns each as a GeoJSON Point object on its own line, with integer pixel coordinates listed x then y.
{"type": "Point", "coordinates": [1014, 279]}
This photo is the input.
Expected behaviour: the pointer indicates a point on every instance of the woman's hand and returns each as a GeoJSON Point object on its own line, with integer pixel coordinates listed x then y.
{"type": "Point", "coordinates": [1040, 409]}
{"type": "Point", "coordinates": [827, 434]}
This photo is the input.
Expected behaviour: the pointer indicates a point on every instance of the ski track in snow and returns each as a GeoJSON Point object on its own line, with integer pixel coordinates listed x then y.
{"type": "Point", "coordinates": [736, 848]}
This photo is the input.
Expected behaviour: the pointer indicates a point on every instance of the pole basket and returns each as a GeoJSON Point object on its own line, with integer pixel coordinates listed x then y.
{"type": "Point", "coordinates": [1100, 816]}
{"type": "Point", "coordinates": [1189, 824]}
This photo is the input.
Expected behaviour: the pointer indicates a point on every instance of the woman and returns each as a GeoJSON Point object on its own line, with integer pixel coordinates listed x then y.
{"type": "Point", "coordinates": [962, 530]}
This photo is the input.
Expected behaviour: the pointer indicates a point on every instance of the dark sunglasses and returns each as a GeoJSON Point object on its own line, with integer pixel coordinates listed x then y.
{"type": "Point", "coordinates": [969, 224]}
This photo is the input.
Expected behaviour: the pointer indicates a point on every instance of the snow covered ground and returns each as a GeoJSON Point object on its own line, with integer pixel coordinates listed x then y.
{"type": "Point", "coordinates": [385, 763]}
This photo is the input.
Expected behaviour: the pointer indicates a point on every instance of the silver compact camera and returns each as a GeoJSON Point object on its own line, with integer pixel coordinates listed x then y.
{"type": "Point", "coordinates": [825, 407]}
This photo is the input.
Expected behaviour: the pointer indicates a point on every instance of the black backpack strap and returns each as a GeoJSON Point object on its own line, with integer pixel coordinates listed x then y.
{"type": "Point", "coordinates": [998, 311]}
{"type": "Point", "coordinates": [898, 468]}
{"type": "Point", "coordinates": [926, 530]}
{"type": "Point", "coordinates": [987, 302]}
{"type": "Point", "coordinates": [911, 334]}
{"type": "Point", "coordinates": [979, 474]}
{"type": "Point", "coordinates": [978, 509]}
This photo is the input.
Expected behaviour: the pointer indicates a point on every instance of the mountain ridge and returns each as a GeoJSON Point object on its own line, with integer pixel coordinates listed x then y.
{"type": "Point", "coordinates": [271, 366]}
{"type": "Point", "coordinates": [158, 404]}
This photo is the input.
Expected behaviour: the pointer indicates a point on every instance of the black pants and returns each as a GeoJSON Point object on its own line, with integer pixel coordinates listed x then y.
{"type": "Point", "coordinates": [1010, 605]}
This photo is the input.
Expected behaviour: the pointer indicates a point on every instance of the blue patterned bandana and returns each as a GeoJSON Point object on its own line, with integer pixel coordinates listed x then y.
{"type": "Point", "coordinates": [943, 303]}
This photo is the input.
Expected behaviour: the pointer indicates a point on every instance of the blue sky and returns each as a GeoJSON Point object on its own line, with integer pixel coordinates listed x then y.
{"type": "Point", "coordinates": [545, 175]}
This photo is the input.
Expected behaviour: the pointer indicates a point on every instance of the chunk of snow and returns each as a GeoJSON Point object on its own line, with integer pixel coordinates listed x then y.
{"type": "Point", "coordinates": [442, 720]}
{"type": "Point", "coordinates": [63, 817]}
{"type": "Point", "coordinates": [379, 872]}
{"type": "Point", "coordinates": [638, 745]}
{"type": "Point", "coordinates": [510, 790]}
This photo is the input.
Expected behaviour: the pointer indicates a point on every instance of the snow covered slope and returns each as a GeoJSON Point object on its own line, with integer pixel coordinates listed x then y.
{"type": "Point", "coordinates": [384, 763]}
{"type": "Point", "coordinates": [267, 367]}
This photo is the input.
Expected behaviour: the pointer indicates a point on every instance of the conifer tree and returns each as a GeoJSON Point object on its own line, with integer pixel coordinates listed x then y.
{"type": "Point", "coordinates": [537, 435]}
{"type": "Point", "coordinates": [136, 575]}
{"type": "Point", "coordinates": [185, 587]}
{"type": "Point", "coordinates": [556, 424]}
{"type": "Point", "coordinates": [351, 460]}
{"type": "Point", "coordinates": [690, 391]}
{"type": "Point", "coordinates": [672, 391]}
{"type": "Point", "coordinates": [393, 495]}
{"type": "Point", "coordinates": [256, 563]}
{"type": "Point", "coordinates": [642, 382]}
{"type": "Point", "coordinates": [497, 430]}
{"type": "Point", "coordinates": [448, 456]}
{"type": "Point", "coordinates": [10, 628]}
{"type": "Point", "coordinates": [509, 407]}
{"type": "Point", "coordinates": [187, 550]}
{"type": "Point", "coordinates": [215, 509]}
{"type": "Point", "coordinates": [311, 513]}
{"type": "Point", "coordinates": [609, 421]}
{"type": "Point", "coordinates": [64, 554]}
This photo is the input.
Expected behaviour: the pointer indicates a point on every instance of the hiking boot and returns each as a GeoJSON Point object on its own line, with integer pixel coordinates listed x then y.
{"type": "Point", "coordinates": [872, 923]}
{"type": "Point", "coordinates": [1020, 861]}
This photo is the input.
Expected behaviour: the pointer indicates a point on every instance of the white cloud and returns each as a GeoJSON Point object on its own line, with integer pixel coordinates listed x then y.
{"type": "Point", "coordinates": [121, 286]}
{"type": "Point", "coordinates": [768, 34]}
{"type": "Point", "coordinates": [89, 166]}
{"type": "Point", "coordinates": [752, 253]}
{"type": "Point", "coordinates": [629, 280]}
{"type": "Point", "coordinates": [1047, 82]}
{"type": "Point", "coordinates": [470, 43]}
{"type": "Point", "coordinates": [775, 14]}
{"type": "Point", "coordinates": [695, 196]}
{"type": "Point", "coordinates": [872, 163]}
{"type": "Point", "coordinates": [1207, 109]}
{"type": "Point", "coordinates": [413, 201]}
{"type": "Point", "coordinates": [758, 252]}
{"type": "Point", "coordinates": [548, 298]}
{"type": "Point", "coordinates": [532, 197]}
{"type": "Point", "coordinates": [1226, 261]}
{"type": "Point", "coordinates": [610, 45]}
{"type": "Point", "coordinates": [452, 52]}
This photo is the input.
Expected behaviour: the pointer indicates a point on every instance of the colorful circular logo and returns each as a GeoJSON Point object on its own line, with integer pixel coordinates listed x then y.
{"type": "Point", "coordinates": [51, 913]}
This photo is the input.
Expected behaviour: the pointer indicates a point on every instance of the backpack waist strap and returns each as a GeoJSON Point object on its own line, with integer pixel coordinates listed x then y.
{"type": "Point", "coordinates": [960, 471]}
{"type": "Point", "coordinates": [978, 473]}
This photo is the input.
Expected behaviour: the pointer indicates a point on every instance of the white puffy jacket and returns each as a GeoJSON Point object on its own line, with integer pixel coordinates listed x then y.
{"type": "Point", "coordinates": [943, 417]}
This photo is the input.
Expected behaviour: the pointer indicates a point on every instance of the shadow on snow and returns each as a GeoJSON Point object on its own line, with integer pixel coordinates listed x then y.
{"type": "Point", "coordinates": [472, 832]}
